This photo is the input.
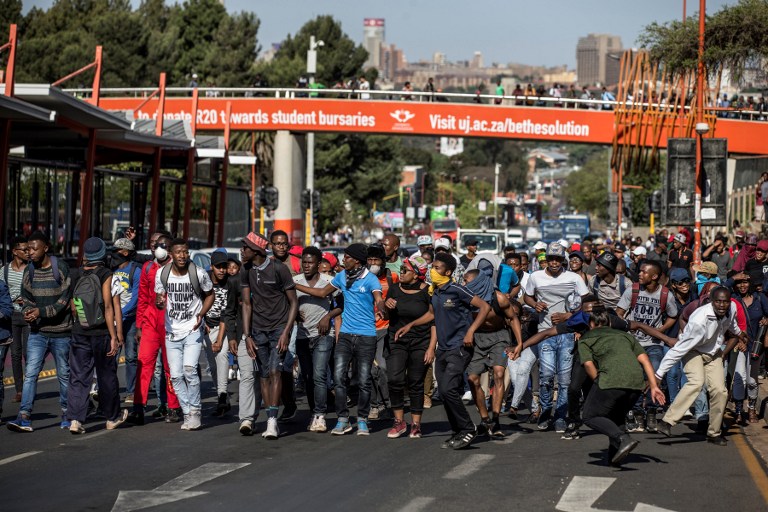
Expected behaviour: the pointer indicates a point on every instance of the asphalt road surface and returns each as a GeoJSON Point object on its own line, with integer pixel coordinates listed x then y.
{"type": "Point", "coordinates": [161, 468]}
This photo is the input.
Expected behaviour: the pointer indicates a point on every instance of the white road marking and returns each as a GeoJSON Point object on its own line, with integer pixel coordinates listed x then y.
{"type": "Point", "coordinates": [18, 457]}
{"type": "Point", "coordinates": [83, 437]}
{"type": "Point", "coordinates": [417, 504]}
{"type": "Point", "coordinates": [472, 464]}
{"type": "Point", "coordinates": [174, 490]}
{"type": "Point", "coordinates": [584, 491]}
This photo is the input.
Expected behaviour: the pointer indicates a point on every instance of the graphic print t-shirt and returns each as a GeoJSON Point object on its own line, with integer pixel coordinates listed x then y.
{"type": "Point", "coordinates": [182, 305]}
{"type": "Point", "coordinates": [648, 311]}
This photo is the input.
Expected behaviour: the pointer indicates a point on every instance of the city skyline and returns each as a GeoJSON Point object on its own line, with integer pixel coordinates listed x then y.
{"type": "Point", "coordinates": [546, 35]}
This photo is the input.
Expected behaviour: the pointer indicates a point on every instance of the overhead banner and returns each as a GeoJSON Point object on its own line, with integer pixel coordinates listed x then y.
{"type": "Point", "coordinates": [440, 119]}
{"type": "Point", "coordinates": [393, 117]}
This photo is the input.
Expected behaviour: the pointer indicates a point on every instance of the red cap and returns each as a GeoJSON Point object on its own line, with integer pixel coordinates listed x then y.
{"type": "Point", "coordinates": [333, 260]}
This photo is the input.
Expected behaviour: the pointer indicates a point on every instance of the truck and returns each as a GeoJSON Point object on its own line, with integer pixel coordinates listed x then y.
{"type": "Point", "coordinates": [575, 227]}
{"type": "Point", "coordinates": [551, 230]}
{"type": "Point", "coordinates": [440, 227]}
{"type": "Point", "coordinates": [488, 240]}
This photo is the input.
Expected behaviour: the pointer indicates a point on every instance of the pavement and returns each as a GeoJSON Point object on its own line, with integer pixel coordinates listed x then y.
{"type": "Point", "coordinates": [160, 467]}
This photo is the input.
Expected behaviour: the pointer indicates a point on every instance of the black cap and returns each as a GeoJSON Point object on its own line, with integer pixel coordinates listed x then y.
{"type": "Point", "coordinates": [609, 261]}
{"type": "Point", "coordinates": [218, 258]}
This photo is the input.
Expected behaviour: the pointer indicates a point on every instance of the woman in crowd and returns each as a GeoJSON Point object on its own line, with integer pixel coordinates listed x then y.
{"type": "Point", "coordinates": [412, 353]}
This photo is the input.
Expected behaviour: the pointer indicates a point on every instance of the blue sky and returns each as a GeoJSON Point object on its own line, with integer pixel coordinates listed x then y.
{"type": "Point", "coordinates": [521, 31]}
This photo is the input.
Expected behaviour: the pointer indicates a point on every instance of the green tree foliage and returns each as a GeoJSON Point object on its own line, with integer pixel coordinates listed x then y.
{"type": "Point", "coordinates": [736, 37]}
{"type": "Point", "coordinates": [587, 189]}
{"type": "Point", "coordinates": [338, 59]}
{"type": "Point", "coordinates": [10, 12]}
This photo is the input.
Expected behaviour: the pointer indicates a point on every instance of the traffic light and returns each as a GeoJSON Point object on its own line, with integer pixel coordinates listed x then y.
{"type": "Point", "coordinates": [656, 202]}
{"type": "Point", "coordinates": [272, 198]}
{"type": "Point", "coordinates": [316, 203]}
{"type": "Point", "coordinates": [306, 199]}
{"type": "Point", "coordinates": [261, 197]}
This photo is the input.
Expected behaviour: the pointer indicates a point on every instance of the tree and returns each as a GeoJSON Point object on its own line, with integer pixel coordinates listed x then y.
{"type": "Point", "coordinates": [338, 59]}
{"type": "Point", "coordinates": [587, 189]}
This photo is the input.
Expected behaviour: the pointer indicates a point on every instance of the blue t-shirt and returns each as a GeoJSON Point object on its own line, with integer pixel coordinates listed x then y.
{"type": "Point", "coordinates": [453, 315]}
{"type": "Point", "coordinates": [358, 315]}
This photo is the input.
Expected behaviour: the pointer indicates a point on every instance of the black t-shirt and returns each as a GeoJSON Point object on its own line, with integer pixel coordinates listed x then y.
{"type": "Point", "coordinates": [269, 301]}
{"type": "Point", "coordinates": [681, 260]}
{"type": "Point", "coordinates": [756, 268]}
{"type": "Point", "coordinates": [104, 275]}
{"type": "Point", "coordinates": [410, 306]}
{"type": "Point", "coordinates": [465, 261]}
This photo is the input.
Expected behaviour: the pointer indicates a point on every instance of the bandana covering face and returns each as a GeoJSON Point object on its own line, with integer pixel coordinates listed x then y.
{"type": "Point", "coordinates": [437, 280]}
{"type": "Point", "coordinates": [352, 275]}
{"type": "Point", "coordinates": [482, 286]}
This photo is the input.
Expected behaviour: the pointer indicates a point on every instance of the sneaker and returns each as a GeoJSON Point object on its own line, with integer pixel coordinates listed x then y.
{"type": "Point", "coordinates": [651, 422]}
{"type": "Point", "coordinates": [113, 424]}
{"type": "Point", "coordinates": [717, 441]}
{"type": "Point", "coordinates": [560, 426]}
{"type": "Point", "coordinates": [246, 427]}
{"type": "Point", "coordinates": [427, 402]}
{"type": "Point", "coordinates": [129, 398]}
{"type": "Point", "coordinates": [289, 412]}
{"type": "Point", "coordinates": [160, 412]}
{"type": "Point", "coordinates": [238, 374]}
{"type": "Point", "coordinates": [373, 414]}
{"type": "Point", "coordinates": [185, 423]}
{"type": "Point", "coordinates": [485, 426]}
{"type": "Point", "coordinates": [662, 427]}
{"type": "Point", "coordinates": [398, 429]}
{"type": "Point", "coordinates": [22, 423]}
{"type": "Point", "coordinates": [65, 424]}
{"type": "Point", "coordinates": [626, 445]}
{"type": "Point", "coordinates": [632, 425]}
{"type": "Point", "coordinates": [415, 431]}
{"type": "Point", "coordinates": [76, 428]}
{"type": "Point", "coordinates": [495, 429]}
{"type": "Point", "coordinates": [272, 431]}
{"type": "Point", "coordinates": [174, 416]}
{"type": "Point", "coordinates": [571, 434]}
{"type": "Point", "coordinates": [463, 441]}
{"type": "Point", "coordinates": [136, 418]}
{"type": "Point", "coordinates": [318, 424]}
{"type": "Point", "coordinates": [194, 421]}
{"type": "Point", "coordinates": [342, 427]}
{"type": "Point", "coordinates": [362, 427]}
{"type": "Point", "coordinates": [544, 420]}
{"type": "Point", "coordinates": [467, 397]}
{"type": "Point", "coordinates": [231, 374]}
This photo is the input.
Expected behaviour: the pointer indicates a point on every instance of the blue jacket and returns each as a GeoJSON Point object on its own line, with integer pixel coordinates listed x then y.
{"type": "Point", "coordinates": [6, 312]}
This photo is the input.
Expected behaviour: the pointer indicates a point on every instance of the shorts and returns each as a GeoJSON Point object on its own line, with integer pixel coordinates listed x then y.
{"type": "Point", "coordinates": [268, 358]}
{"type": "Point", "coordinates": [490, 351]}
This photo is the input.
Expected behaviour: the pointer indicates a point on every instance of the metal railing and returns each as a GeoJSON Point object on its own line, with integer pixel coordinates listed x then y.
{"type": "Point", "coordinates": [422, 96]}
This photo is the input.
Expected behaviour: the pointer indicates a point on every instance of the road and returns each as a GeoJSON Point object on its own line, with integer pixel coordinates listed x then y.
{"type": "Point", "coordinates": [51, 469]}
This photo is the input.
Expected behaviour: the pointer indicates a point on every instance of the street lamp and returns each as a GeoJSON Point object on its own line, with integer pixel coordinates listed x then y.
{"type": "Point", "coordinates": [701, 129]}
{"type": "Point", "coordinates": [311, 70]}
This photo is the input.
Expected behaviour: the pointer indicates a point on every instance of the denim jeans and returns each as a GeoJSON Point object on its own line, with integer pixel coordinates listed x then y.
{"type": "Point", "coordinates": [38, 346]}
{"type": "Point", "coordinates": [314, 354]}
{"type": "Point", "coordinates": [655, 354]}
{"type": "Point", "coordinates": [3, 353]}
{"type": "Point", "coordinates": [363, 350]}
{"type": "Point", "coordinates": [555, 358]}
{"type": "Point", "coordinates": [673, 378]}
{"type": "Point", "coordinates": [183, 358]}
{"type": "Point", "coordinates": [131, 353]}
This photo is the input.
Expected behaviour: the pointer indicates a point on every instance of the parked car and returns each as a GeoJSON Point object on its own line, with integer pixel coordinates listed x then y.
{"type": "Point", "coordinates": [515, 236]}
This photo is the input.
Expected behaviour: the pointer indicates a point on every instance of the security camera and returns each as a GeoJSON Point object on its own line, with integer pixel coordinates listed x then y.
{"type": "Point", "coordinates": [321, 43]}
{"type": "Point", "coordinates": [702, 128]}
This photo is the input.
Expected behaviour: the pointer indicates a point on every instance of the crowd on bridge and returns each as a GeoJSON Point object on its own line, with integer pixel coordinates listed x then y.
{"type": "Point", "coordinates": [622, 336]}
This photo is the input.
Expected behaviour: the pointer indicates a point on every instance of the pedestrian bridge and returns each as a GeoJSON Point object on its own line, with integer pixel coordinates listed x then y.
{"type": "Point", "coordinates": [440, 116]}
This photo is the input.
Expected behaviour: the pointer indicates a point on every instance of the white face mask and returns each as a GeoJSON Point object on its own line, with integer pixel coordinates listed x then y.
{"type": "Point", "coordinates": [161, 253]}
{"type": "Point", "coordinates": [374, 269]}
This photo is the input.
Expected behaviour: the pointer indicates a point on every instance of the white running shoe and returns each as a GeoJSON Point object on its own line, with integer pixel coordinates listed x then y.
{"type": "Point", "coordinates": [272, 431]}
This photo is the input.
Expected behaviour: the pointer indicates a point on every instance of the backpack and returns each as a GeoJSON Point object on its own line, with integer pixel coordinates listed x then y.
{"type": "Point", "coordinates": [194, 279]}
{"type": "Point", "coordinates": [132, 270]}
{"type": "Point", "coordinates": [31, 270]}
{"type": "Point", "coordinates": [622, 286]}
{"type": "Point", "coordinates": [663, 300]}
{"type": "Point", "coordinates": [89, 300]}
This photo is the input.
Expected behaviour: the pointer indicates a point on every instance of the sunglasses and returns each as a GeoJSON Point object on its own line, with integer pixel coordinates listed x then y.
{"type": "Point", "coordinates": [404, 269]}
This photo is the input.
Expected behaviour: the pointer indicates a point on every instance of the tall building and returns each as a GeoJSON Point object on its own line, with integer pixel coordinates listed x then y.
{"type": "Point", "coordinates": [373, 38]}
{"type": "Point", "coordinates": [592, 56]}
{"type": "Point", "coordinates": [392, 61]}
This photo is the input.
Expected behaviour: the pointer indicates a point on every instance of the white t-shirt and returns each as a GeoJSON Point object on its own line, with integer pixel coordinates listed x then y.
{"type": "Point", "coordinates": [312, 309]}
{"type": "Point", "coordinates": [182, 305]}
{"type": "Point", "coordinates": [648, 311]}
{"type": "Point", "coordinates": [561, 294]}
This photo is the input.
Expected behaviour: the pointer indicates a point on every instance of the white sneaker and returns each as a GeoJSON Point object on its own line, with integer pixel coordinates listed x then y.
{"type": "Point", "coordinates": [231, 375]}
{"type": "Point", "coordinates": [238, 374]}
{"type": "Point", "coordinates": [246, 427]}
{"type": "Point", "coordinates": [76, 427]}
{"type": "Point", "coordinates": [185, 424]}
{"type": "Point", "coordinates": [318, 424]}
{"type": "Point", "coordinates": [272, 431]}
{"type": "Point", "coordinates": [467, 397]}
{"type": "Point", "coordinates": [194, 422]}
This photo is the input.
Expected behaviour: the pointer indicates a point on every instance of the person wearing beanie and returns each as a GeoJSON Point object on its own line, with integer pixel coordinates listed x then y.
{"type": "Point", "coordinates": [606, 285]}
{"type": "Point", "coordinates": [126, 275]}
{"type": "Point", "coordinates": [96, 340]}
{"type": "Point", "coordinates": [46, 308]}
{"type": "Point", "coordinates": [361, 292]}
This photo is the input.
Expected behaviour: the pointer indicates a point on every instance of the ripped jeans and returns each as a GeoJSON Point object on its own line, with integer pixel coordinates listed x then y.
{"type": "Point", "coordinates": [183, 358]}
